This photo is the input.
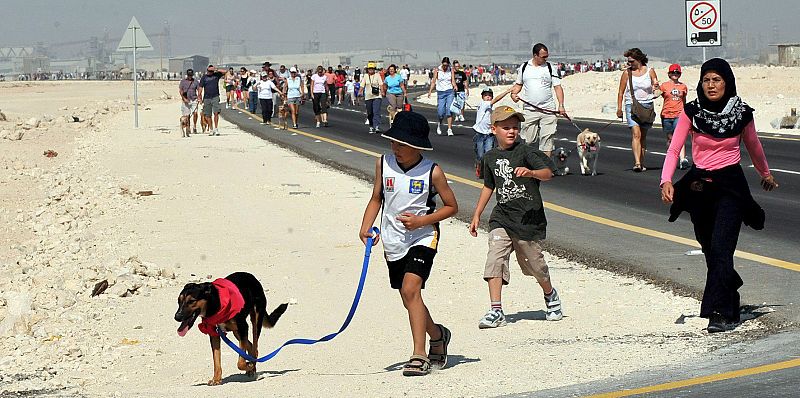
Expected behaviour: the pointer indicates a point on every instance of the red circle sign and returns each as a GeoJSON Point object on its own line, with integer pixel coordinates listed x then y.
{"type": "Point", "coordinates": [702, 20]}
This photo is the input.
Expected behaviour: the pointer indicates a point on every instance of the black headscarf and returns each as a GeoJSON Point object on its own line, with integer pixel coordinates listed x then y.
{"type": "Point", "coordinates": [724, 118]}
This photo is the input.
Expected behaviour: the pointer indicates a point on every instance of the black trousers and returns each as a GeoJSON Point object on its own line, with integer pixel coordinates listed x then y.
{"type": "Point", "coordinates": [717, 230]}
{"type": "Point", "coordinates": [266, 109]}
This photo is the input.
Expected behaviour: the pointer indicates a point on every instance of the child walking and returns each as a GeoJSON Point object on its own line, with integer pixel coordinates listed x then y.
{"type": "Point", "coordinates": [514, 170]}
{"type": "Point", "coordinates": [404, 190]}
{"type": "Point", "coordinates": [483, 138]}
{"type": "Point", "coordinates": [674, 94]}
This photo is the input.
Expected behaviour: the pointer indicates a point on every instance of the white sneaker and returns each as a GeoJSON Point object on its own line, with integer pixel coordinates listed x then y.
{"type": "Point", "coordinates": [317, 124]}
{"type": "Point", "coordinates": [450, 132]}
{"type": "Point", "coordinates": [492, 319]}
{"type": "Point", "coordinates": [460, 118]}
{"type": "Point", "coordinates": [553, 304]}
{"type": "Point", "coordinates": [366, 121]}
{"type": "Point", "coordinates": [371, 130]}
{"type": "Point", "coordinates": [438, 128]}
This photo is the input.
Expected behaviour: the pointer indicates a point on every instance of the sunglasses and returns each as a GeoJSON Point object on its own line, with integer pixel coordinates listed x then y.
{"type": "Point", "coordinates": [675, 73]}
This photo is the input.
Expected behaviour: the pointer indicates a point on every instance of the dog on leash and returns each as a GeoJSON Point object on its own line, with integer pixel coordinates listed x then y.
{"type": "Point", "coordinates": [283, 116]}
{"type": "Point", "coordinates": [227, 303]}
{"type": "Point", "coordinates": [392, 113]}
{"type": "Point", "coordinates": [588, 145]}
{"type": "Point", "coordinates": [560, 156]}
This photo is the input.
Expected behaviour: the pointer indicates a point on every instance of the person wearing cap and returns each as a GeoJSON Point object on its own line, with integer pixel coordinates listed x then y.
{"type": "Point", "coordinates": [265, 88]}
{"type": "Point", "coordinates": [514, 171]}
{"type": "Point", "coordinates": [445, 82]}
{"type": "Point", "coordinates": [252, 93]}
{"type": "Point", "coordinates": [404, 189]}
{"type": "Point", "coordinates": [484, 139]}
{"type": "Point", "coordinates": [188, 90]}
{"type": "Point", "coordinates": [674, 94]}
{"type": "Point", "coordinates": [373, 97]}
{"type": "Point", "coordinates": [539, 81]}
{"type": "Point", "coordinates": [294, 91]}
{"type": "Point", "coordinates": [209, 93]}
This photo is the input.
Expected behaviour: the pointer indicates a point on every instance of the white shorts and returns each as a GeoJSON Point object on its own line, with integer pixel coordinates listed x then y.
{"type": "Point", "coordinates": [188, 110]}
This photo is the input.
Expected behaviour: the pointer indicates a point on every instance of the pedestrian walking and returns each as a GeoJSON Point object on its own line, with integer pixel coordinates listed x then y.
{"type": "Point", "coordinates": [294, 93]}
{"type": "Point", "coordinates": [189, 92]}
{"type": "Point", "coordinates": [209, 94]}
{"type": "Point", "coordinates": [536, 81]}
{"type": "Point", "coordinates": [373, 97]}
{"type": "Point", "coordinates": [513, 171]}
{"type": "Point", "coordinates": [395, 88]}
{"type": "Point", "coordinates": [462, 88]}
{"type": "Point", "coordinates": [443, 80]}
{"type": "Point", "coordinates": [320, 96]}
{"type": "Point", "coordinates": [642, 81]}
{"type": "Point", "coordinates": [403, 192]}
{"type": "Point", "coordinates": [714, 191]}
{"type": "Point", "coordinates": [483, 139]}
{"type": "Point", "coordinates": [266, 88]}
{"type": "Point", "coordinates": [674, 93]}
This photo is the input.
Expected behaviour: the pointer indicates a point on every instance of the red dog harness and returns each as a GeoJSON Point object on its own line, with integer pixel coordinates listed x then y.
{"type": "Point", "coordinates": [230, 304]}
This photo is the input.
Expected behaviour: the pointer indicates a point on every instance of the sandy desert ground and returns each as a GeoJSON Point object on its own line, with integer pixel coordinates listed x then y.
{"type": "Point", "coordinates": [238, 203]}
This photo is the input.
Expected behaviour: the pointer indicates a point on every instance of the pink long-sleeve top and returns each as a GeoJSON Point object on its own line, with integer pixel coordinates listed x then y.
{"type": "Point", "coordinates": [711, 153]}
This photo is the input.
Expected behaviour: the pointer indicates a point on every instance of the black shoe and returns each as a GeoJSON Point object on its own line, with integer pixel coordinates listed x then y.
{"type": "Point", "coordinates": [717, 323]}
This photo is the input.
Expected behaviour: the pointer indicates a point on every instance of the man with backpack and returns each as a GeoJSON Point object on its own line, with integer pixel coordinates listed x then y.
{"type": "Point", "coordinates": [539, 81]}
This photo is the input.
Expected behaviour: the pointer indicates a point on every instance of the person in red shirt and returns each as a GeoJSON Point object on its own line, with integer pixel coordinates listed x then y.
{"type": "Point", "coordinates": [674, 93]}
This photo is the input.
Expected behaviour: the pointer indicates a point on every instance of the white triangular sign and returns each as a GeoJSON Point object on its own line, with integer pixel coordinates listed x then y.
{"type": "Point", "coordinates": [134, 37]}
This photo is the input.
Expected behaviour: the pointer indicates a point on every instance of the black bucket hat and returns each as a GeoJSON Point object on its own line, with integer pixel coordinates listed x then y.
{"type": "Point", "coordinates": [412, 129]}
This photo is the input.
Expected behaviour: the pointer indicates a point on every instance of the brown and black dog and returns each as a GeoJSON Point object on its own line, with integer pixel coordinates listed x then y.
{"type": "Point", "coordinates": [283, 116]}
{"type": "Point", "coordinates": [217, 302]}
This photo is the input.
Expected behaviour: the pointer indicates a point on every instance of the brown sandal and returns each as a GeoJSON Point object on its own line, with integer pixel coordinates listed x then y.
{"type": "Point", "coordinates": [439, 361]}
{"type": "Point", "coordinates": [417, 365]}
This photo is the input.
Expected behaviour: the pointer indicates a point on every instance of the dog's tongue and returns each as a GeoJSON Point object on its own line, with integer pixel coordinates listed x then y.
{"type": "Point", "coordinates": [183, 330]}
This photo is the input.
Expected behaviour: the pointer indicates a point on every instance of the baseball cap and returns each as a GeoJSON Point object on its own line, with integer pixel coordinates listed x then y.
{"type": "Point", "coordinates": [485, 89]}
{"type": "Point", "coordinates": [505, 112]}
{"type": "Point", "coordinates": [371, 65]}
{"type": "Point", "coordinates": [674, 68]}
{"type": "Point", "coordinates": [190, 71]}
{"type": "Point", "coordinates": [263, 74]}
{"type": "Point", "coordinates": [293, 69]}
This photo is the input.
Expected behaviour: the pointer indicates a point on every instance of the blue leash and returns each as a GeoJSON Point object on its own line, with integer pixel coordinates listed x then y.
{"type": "Point", "coordinates": [347, 320]}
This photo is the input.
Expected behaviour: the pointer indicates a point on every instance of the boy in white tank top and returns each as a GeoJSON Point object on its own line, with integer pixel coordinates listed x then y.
{"type": "Point", "coordinates": [404, 190]}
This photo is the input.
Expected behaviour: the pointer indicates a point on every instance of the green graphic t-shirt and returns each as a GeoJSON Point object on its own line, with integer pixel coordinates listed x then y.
{"type": "Point", "coordinates": [519, 207]}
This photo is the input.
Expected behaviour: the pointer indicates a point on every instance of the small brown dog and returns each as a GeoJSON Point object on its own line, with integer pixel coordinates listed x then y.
{"type": "Point", "coordinates": [392, 112]}
{"type": "Point", "coordinates": [283, 116]}
{"type": "Point", "coordinates": [186, 126]}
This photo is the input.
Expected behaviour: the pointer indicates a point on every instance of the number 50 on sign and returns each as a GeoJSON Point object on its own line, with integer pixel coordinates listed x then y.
{"type": "Point", "coordinates": [703, 23]}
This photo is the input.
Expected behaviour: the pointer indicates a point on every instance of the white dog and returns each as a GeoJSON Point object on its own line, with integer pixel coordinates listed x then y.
{"type": "Point", "coordinates": [588, 149]}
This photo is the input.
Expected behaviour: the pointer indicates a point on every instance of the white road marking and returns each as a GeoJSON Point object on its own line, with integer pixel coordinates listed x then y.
{"type": "Point", "coordinates": [781, 170]}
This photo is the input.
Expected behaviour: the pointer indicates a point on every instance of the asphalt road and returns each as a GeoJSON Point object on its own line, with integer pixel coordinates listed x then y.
{"type": "Point", "coordinates": [621, 195]}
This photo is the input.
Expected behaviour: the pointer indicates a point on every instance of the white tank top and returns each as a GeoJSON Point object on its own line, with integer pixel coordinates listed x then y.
{"type": "Point", "coordinates": [642, 89]}
{"type": "Point", "coordinates": [444, 80]}
{"type": "Point", "coordinates": [406, 191]}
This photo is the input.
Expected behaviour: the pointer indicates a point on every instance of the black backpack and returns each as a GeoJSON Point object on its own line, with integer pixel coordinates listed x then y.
{"type": "Point", "coordinates": [549, 68]}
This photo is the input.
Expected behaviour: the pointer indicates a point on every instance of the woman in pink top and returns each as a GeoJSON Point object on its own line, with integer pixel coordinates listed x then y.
{"type": "Point", "coordinates": [714, 191]}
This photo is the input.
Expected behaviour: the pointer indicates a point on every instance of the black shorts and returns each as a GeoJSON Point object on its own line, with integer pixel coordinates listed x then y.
{"type": "Point", "coordinates": [418, 261]}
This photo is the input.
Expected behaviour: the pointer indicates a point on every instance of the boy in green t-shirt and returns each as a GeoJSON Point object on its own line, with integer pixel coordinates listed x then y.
{"type": "Point", "coordinates": [514, 170]}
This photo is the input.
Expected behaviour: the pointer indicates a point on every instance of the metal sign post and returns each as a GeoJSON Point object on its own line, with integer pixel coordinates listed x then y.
{"type": "Point", "coordinates": [703, 24]}
{"type": "Point", "coordinates": [135, 39]}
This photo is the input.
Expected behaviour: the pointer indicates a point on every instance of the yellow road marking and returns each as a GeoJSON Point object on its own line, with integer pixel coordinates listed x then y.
{"type": "Point", "coordinates": [579, 214]}
{"type": "Point", "coordinates": [701, 380]}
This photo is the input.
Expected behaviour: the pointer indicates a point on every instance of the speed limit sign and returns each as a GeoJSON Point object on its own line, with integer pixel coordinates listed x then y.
{"type": "Point", "coordinates": [703, 23]}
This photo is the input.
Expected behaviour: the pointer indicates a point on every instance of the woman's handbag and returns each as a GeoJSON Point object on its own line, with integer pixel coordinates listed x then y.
{"type": "Point", "coordinates": [640, 113]}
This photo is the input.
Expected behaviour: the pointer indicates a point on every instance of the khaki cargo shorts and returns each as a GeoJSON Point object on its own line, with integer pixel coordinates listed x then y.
{"type": "Point", "coordinates": [529, 256]}
{"type": "Point", "coordinates": [539, 128]}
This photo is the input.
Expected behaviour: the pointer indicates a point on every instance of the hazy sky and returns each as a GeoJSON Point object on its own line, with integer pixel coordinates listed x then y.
{"type": "Point", "coordinates": [285, 26]}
